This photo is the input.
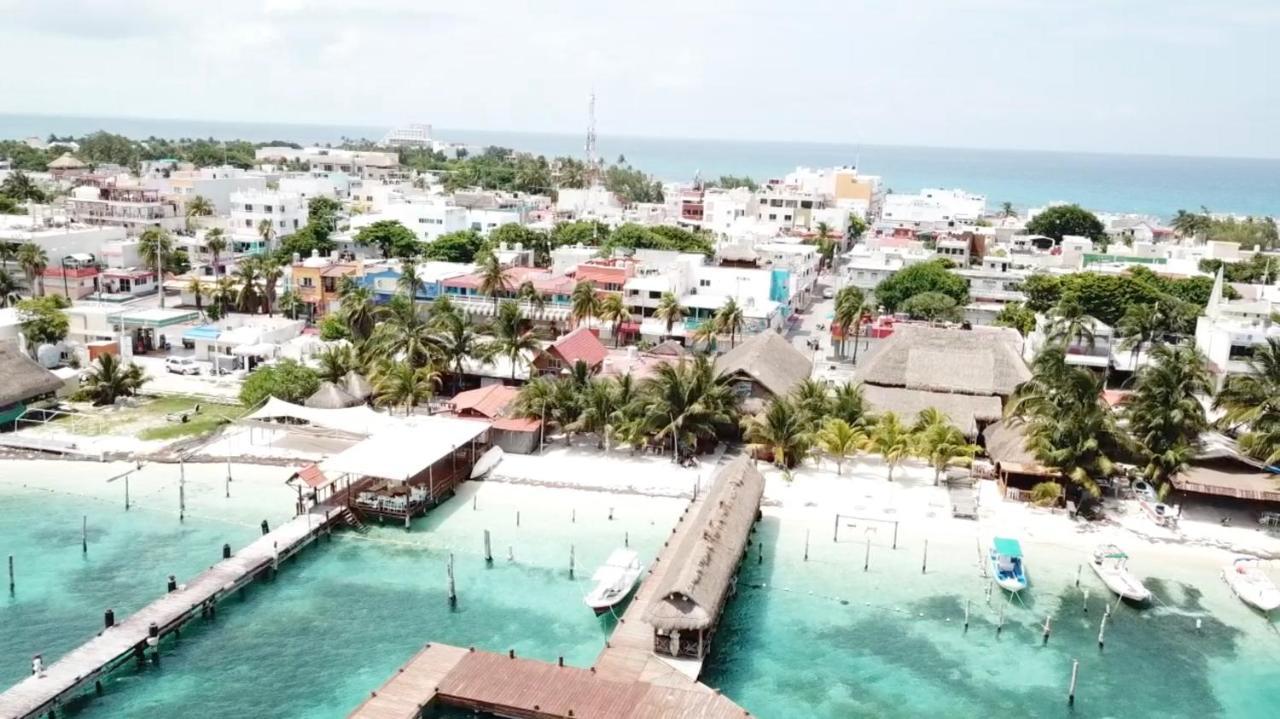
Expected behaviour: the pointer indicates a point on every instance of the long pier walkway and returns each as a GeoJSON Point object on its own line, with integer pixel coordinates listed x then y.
{"type": "Point", "coordinates": [628, 680]}
{"type": "Point", "coordinates": [87, 664]}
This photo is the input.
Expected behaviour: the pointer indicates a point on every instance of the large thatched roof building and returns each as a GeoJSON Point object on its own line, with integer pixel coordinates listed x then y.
{"type": "Point", "coordinates": [965, 373]}
{"type": "Point", "coordinates": [24, 380]}
{"type": "Point", "coordinates": [766, 366]}
{"type": "Point", "coordinates": [702, 570]}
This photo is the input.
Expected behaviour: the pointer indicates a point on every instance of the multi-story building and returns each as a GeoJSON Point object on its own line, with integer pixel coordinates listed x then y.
{"type": "Point", "coordinates": [317, 183]}
{"type": "Point", "coordinates": [1228, 333]}
{"type": "Point", "coordinates": [316, 281]}
{"type": "Point", "coordinates": [428, 218]}
{"type": "Point", "coordinates": [357, 163]}
{"type": "Point", "coordinates": [991, 287]}
{"type": "Point", "coordinates": [866, 267]}
{"type": "Point", "coordinates": [788, 207]}
{"type": "Point", "coordinates": [74, 277]}
{"type": "Point", "coordinates": [133, 208]}
{"type": "Point", "coordinates": [285, 212]}
{"type": "Point", "coordinates": [932, 209]}
{"type": "Point", "coordinates": [215, 184]}
{"type": "Point", "coordinates": [722, 209]}
{"type": "Point", "coordinates": [385, 281]}
{"type": "Point", "coordinates": [843, 186]}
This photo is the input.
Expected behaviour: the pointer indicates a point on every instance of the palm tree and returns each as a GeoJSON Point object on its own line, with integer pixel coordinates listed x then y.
{"type": "Point", "coordinates": [730, 318]}
{"type": "Point", "coordinates": [511, 339]}
{"type": "Point", "coordinates": [598, 408]}
{"type": "Point", "coordinates": [358, 310]}
{"type": "Point", "coordinates": [686, 401]}
{"type": "Point", "coordinates": [199, 206]}
{"type": "Point", "coordinates": [669, 310]}
{"type": "Point", "coordinates": [400, 384]}
{"type": "Point", "coordinates": [33, 260]}
{"type": "Point", "coordinates": [708, 333]}
{"type": "Point", "coordinates": [224, 293]}
{"type": "Point", "coordinates": [336, 361]}
{"type": "Point", "coordinates": [584, 302]}
{"type": "Point", "coordinates": [247, 275]}
{"type": "Point", "coordinates": [826, 244]}
{"type": "Point", "coordinates": [408, 282]}
{"type": "Point", "coordinates": [839, 440]}
{"type": "Point", "coordinates": [939, 441]}
{"type": "Point", "coordinates": [215, 241]}
{"type": "Point", "coordinates": [290, 304]}
{"type": "Point", "coordinates": [1140, 325]}
{"type": "Point", "coordinates": [613, 309]}
{"type": "Point", "coordinates": [813, 400]}
{"type": "Point", "coordinates": [267, 232]}
{"type": "Point", "coordinates": [110, 378]}
{"type": "Point", "coordinates": [1164, 413]}
{"type": "Point", "coordinates": [891, 439]}
{"type": "Point", "coordinates": [493, 278]}
{"type": "Point", "coordinates": [8, 289]}
{"type": "Point", "coordinates": [272, 272]}
{"type": "Point", "coordinates": [404, 333]}
{"type": "Point", "coordinates": [529, 294]}
{"type": "Point", "coordinates": [849, 405]}
{"type": "Point", "coordinates": [1007, 211]}
{"type": "Point", "coordinates": [1191, 224]}
{"type": "Point", "coordinates": [848, 312]}
{"type": "Point", "coordinates": [458, 343]}
{"type": "Point", "coordinates": [155, 246]}
{"type": "Point", "coordinates": [1069, 323]}
{"type": "Point", "coordinates": [1252, 402]}
{"type": "Point", "coordinates": [196, 289]}
{"type": "Point", "coordinates": [779, 432]}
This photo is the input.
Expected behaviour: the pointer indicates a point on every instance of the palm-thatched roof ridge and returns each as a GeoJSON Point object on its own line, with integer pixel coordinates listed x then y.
{"type": "Point", "coordinates": [694, 589]}
{"type": "Point", "coordinates": [964, 410]}
{"type": "Point", "coordinates": [979, 361]}
{"type": "Point", "coordinates": [767, 358]}
{"type": "Point", "coordinates": [1006, 444]}
{"type": "Point", "coordinates": [23, 377]}
{"type": "Point", "coordinates": [357, 385]}
{"type": "Point", "coordinates": [331, 396]}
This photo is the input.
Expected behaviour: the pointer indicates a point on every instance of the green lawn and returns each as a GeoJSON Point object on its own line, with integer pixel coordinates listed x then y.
{"type": "Point", "coordinates": [210, 417]}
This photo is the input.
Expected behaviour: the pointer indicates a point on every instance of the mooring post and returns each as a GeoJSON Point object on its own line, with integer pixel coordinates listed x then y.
{"type": "Point", "coordinates": [1085, 604]}
{"type": "Point", "coordinates": [967, 602]}
{"type": "Point", "coordinates": [573, 516]}
{"type": "Point", "coordinates": [626, 539]}
{"type": "Point", "coordinates": [924, 562]}
{"type": "Point", "coordinates": [11, 585]}
{"type": "Point", "coordinates": [1102, 630]}
{"type": "Point", "coordinates": [126, 493]}
{"type": "Point", "coordinates": [228, 485]}
{"type": "Point", "coordinates": [1078, 574]}
{"type": "Point", "coordinates": [895, 535]}
{"type": "Point", "coordinates": [517, 518]}
{"type": "Point", "coordinates": [570, 561]}
{"type": "Point", "coordinates": [488, 553]}
{"type": "Point", "coordinates": [1071, 693]}
{"type": "Point", "coordinates": [511, 553]}
{"type": "Point", "coordinates": [835, 532]}
{"type": "Point", "coordinates": [866, 560]}
{"type": "Point", "coordinates": [806, 545]}
{"type": "Point", "coordinates": [84, 534]}
{"type": "Point", "coordinates": [173, 584]}
{"type": "Point", "coordinates": [453, 593]}
{"type": "Point", "coordinates": [226, 551]}
{"type": "Point", "coordinates": [109, 619]}
{"type": "Point", "coordinates": [1048, 627]}
{"type": "Point", "coordinates": [473, 503]}
{"type": "Point", "coordinates": [760, 553]}
{"type": "Point", "coordinates": [1000, 621]}
{"type": "Point", "coordinates": [182, 490]}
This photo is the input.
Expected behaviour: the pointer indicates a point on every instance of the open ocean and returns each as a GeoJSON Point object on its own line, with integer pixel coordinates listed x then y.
{"type": "Point", "coordinates": [1150, 184]}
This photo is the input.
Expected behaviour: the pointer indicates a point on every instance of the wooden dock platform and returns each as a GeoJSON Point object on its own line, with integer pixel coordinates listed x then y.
{"type": "Point", "coordinates": [91, 661]}
{"type": "Point", "coordinates": [512, 687]}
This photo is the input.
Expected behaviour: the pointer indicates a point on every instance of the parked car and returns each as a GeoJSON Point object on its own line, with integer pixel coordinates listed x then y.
{"type": "Point", "coordinates": [828, 293]}
{"type": "Point", "coordinates": [181, 365]}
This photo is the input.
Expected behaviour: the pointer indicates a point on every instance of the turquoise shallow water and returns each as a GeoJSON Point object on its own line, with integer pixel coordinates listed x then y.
{"type": "Point", "coordinates": [791, 646]}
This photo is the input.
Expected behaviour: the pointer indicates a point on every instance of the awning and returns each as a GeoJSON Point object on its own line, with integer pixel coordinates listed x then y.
{"type": "Point", "coordinates": [1008, 547]}
{"type": "Point", "coordinates": [206, 333]}
{"type": "Point", "coordinates": [359, 420]}
{"type": "Point", "coordinates": [405, 452]}
{"type": "Point", "coordinates": [263, 349]}
{"type": "Point", "coordinates": [312, 476]}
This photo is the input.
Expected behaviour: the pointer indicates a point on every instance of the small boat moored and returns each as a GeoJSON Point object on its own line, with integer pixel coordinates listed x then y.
{"type": "Point", "coordinates": [614, 581]}
{"type": "Point", "coordinates": [1251, 584]}
{"type": "Point", "coordinates": [1110, 563]}
{"type": "Point", "coordinates": [1007, 564]}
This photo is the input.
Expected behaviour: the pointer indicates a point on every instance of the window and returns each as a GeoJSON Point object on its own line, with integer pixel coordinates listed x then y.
{"type": "Point", "coordinates": [806, 204]}
{"type": "Point", "coordinates": [295, 223]}
{"type": "Point", "coordinates": [773, 215]}
{"type": "Point", "coordinates": [248, 208]}
{"type": "Point", "coordinates": [248, 223]}
{"type": "Point", "coordinates": [704, 283]}
{"type": "Point", "coordinates": [283, 224]}
{"type": "Point", "coordinates": [266, 209]}
{"type": "Point", "coordinates": [306, 282]}
{"type": "Point", "coordinates": [654, 294]}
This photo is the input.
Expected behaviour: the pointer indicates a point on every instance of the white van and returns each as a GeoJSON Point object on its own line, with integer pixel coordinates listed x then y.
{"type": "Point", "coordinates": [181, 365]}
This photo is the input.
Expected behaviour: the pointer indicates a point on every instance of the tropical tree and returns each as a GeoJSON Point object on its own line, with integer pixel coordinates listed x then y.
{"type": "Point", "coordinates": [1069, 323]}
{"type": "Point", "coordinates": [848, 404]}
{"type": "Point", "coordinates": [686, 401]}
{"type": "Point", "coordinates": [110, 378]}
{"type": "Point", "coordinates": [390, 237]}
{"type": "Point", "coordinates": [825, 243]}
{"type": "Point", "coordinates": [839, 440]}
{"type": "Point", "coordinates": [891, 439]}
{"type": "Point", "coordinates": [613, 309]}
{"type": "Point", "coordinates": [1164, 414]}
{"type": "Point", "coordinates": [669, 310]}
{"type": "Point", "coordinates": [932, 306]}
{"type": "Point", "coordinates": [215, 241]}
{"type": "Point", "coordinates": [707, 332]}
{"type": "Point", "coordinates": [336, 361]}
{"type": "Point", "coordinates": [1018, 316]}
{"type": "Point", "coordinates": [196, 289]}
{"type": "Point", "coordinates": [813, 400]}
{"type": "Point", "coordinates": [247, 275]}
{"type": "Point", "coordinates": [529, 294]}
{"type": "Point", "coordinates": [19, 186]}
{"type": "Point", "coordinates": [267, 232]}
{"type": "Point", "coordinates": [408, 283]}
{"type": "Point", "coordinates": [940, 442]}
{"type": "Point", "coordinates": [848, 313]}
{"type": "Point", "coordinates": [33, 260]}
{"type": "Point", "coordinates": [291, 305]}
{"type": "Point", "coordinates": [8, 289]}
{"type": "Point", "coordinates": [405, 334]}
{"type": "Point", "coordinates": [458, 343]}
{"type": "Point", "coordinates": [1141, 324]}
{"type": "Point", "coordinates": [271, 273]}
{"type": "Point", "coordinates": [199, 206]}
{"type": "Point", "coordinates": [400, 384]}
{"type": "Point", "coordinates": [223, 294]}
{"type": "Point", "coordinates": [1191, 224]}
{"type": "Point", "coordinates": [584, 302]}
{"type": "Point", "coordinates": [511, 337]}
{"type": "Point", "coordinates": [493, 278]}
{"type": "Point", "coordinates": [1062, 220]}
{"type": "Point", "coordinates": [1251, 402]}
{"type": "Point", "coordinates": [598, 409]}
{"type": "Point", "coordinates": [43, 320]}
{"type": "Point", "coordinates": [358, 309]}
{"type": "Point", "coordinates": [730, 318]}
{"type": "Point", "coordinates": [780, 432]}
{"type": "Point", "coordinates": [1007, 211]}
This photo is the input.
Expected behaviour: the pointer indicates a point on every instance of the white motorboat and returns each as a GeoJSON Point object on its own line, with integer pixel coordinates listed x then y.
{"type": "Point", "coordinates": [487, 462]}
{"type": "Point", "coordinates": [1111, 566]}
{"type": "Point", "coordinates": [614, 580]}
{"type": "Point", "coordinates": [1251, 584]}
{"type": "Point", "coordinates": [1007, 565]}
{"type": "Point", "coordinates": [1159, 512]}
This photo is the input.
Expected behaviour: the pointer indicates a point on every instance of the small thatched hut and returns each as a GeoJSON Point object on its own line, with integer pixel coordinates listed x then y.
{"type": "Point", "coordinates": [331, 396]}
{"type": "Point", "coordinates": [702, 572]}
{"type": "Point", "coordinates": [357, 385]}
{"type": "Point", "coordinates": [764, 367]}
{"type": "Point", "coordinates": [24, 381]}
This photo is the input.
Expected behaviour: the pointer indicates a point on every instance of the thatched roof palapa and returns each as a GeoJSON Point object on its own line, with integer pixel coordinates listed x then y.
{"type": "Point", "coordinates": [23, 377]}
{"type": "Point", "coordinates": [979, 361]}
{"type": "Point", "coordinates": [767, 358]}
{"type": "Point", "coordinates": [964, 410]}
{"type": "Point", "coordinates": [1006, 444]}
{"type": "Point", "coordinates": [357, 386]}
{"type": "Point", "coordinates": [331, 396]}
{"type": "Point", "coordinates": [695, 587]}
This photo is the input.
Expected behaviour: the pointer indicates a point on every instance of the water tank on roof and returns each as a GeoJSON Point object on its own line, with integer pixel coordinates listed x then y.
{"type": "Point", "coordinates": [48, 356]}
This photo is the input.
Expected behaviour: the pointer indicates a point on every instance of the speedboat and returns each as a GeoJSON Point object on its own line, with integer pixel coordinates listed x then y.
{"type": "Point", "coordinates": [1251, 584]}
{"type": "Point", "coordinates": [1143, 490]}
{"type": "Point", "coordinates": [1007, 565]}
{"type": "Point", "coordinates": [614, 581]}
{"type": "Point", "coordinates": [1159, 512]}
{"type": "Point", "coordinates": [1111, 566]}
{"type": "Point", "coordinates": [486, 462]}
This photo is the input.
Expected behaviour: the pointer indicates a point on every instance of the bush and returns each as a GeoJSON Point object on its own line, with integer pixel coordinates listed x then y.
{"type": "Point", "coordinates": [333, 328]}
{"type": "Point", "coordinates": [286, 380]}
{"type": "Point", "coordinates": [1046, 494]}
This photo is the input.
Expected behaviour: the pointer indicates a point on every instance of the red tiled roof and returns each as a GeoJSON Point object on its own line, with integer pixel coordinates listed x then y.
{"type": "Point", "coordinates": [312, 475]}
{"type": "Point", "coordinates": [489, 401]}
{"type": "Point", "coordinates": [580, 344]}
{"type": "Point", "coordinates": [516, 424]}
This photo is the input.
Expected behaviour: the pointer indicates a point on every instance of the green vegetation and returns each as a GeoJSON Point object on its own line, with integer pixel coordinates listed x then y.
{"type": "Point", "coordinates": [632, 186]}
{"type": "Point", "coordinates": [729, 182]}
{"type": "Point", "coordinates": [211, 416]}
{"type": "Point", "coordinates": [1018, 316]}
{"type": "Point", "coordinates": [109, 379]}
{"type": "Point", "coordinates": [1248, 233]}
{"type": "Point", "coordinates": [43, 319]}
{"type": "Point", "coordinates": [1259, 269]}
{"type": "Point", "coordinates": [108, 148]}
{"type": "Point", "coordinates": [390, 237]}
{"type": "Point", "coordinates": [1252, 403]}
{"type": "Point", "coordinates": [1108, 297]}
{"type": "Point", "coordinates": [932, 306]}
{"type": "Point", "coordinates": [1164, 415]}
{"type": "Point", "coordinates": [460, 246]}
{"type": "Point", "coordinates": [1062, 220]}
{"type": "Point", "coordinates": [286, 380]}
{"type": "Point", "coordinates": [931, 276]}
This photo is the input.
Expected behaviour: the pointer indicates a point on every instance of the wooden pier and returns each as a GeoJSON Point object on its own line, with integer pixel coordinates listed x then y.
{"type": "Point", "coordinates": [132, 638]}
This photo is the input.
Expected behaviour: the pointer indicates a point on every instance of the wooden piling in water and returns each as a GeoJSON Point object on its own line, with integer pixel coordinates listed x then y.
{"type": "Point", "coordinates": [866, 560]}
{"type": "Point", "coordinates": [1048, 627]}
{"type": "Point", "coordinates": [84, 534]}
{"type": "Point", "coordinates": [11, 584]}
{"type": "Point", "coordinates": [924, 563]}
{"type": "Point", "coordinates": [1071, 692]}
{"type": "Point", "coordinates": [453, 593]}
{"type": "Point", "coordinates": [1000, 622]}
{"type": "Point", "coordinates": [1085, 604]}
{"type": "Point", "coordinates": [1078, 566]}
{"type": "Point", "coordinates": [966, 614]}
{"type": "Point", "coordinates": [835, 532]}
{"type": "Point", "coordinates": [126, 493]}
{"type": "Point", "coordinates": [570, 561]}
{"type": "Point", "coordinates": [517, 518]}
{"type": "Point", "coordinates": [1102, 630]}
{"type": "Point", "coordinates": [806, 545]}
{"type": "Point", "coordinates": [895, 535]}
{"type": "Point", "coordinates": [488, 553]}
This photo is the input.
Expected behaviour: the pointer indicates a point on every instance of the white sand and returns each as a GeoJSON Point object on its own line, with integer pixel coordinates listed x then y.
{"type": "Point", "coordinates": [582, 465]}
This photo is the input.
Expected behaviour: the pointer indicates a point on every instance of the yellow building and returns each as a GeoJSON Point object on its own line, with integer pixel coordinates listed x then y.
{"type": "Point", "coordinates": [316, 282]}
{"type": "Point", "coordinates": [848, 186]}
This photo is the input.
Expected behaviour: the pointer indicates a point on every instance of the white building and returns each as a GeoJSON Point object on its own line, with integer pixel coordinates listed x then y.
{"type": "Point", "coordinates": [357, 163]}
{"type": "Point", "coordinates": [58, 239]}
{"type": "Point", "coordinates": [413, 135]}
{"type": "Point", "coordinates": [485, 221]}
{"type": "Point", "coordinates": [215, 184]}
{"type": "Point", "coordinates": [588, 202]}
{"type": "Point", "coordinates": [429, 219]}
{"type": "Point", "coordinates": [335, 185]}
{"type": "Point", "coordinates": [722, 209]}
{"type": "Point", "coordinates": [130, 207]}
{"type": "Point", "coordinates": [1229, 332]}
{"type": "Point", "coordinates": [932, 209]}
{"type": "Point", "coordinates": [866, 267]}
{"type": "Point", "coordinates": [285, 212]}
{"type": "Point", "coordinates": [788, 207]}
{"type": "Point", "coordinates": [991, 287]}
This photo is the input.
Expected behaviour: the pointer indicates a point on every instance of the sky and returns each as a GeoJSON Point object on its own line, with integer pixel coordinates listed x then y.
{"type": "Point", "coordinates": [1136, 76]}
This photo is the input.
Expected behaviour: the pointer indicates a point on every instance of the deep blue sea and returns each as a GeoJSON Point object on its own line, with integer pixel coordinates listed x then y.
{"type": "Point", "coordinates": [1150, 184]}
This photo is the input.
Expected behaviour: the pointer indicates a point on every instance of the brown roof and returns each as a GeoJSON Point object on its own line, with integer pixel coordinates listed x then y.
{"type": "Point", "coordinates": [1006, 444]}
{"type": "Point", "coordinates": [980, 361]}
{"type": "Point", "coordinates": [23, 378]}
{"type": "Point", "coordinates": [580, 345]}
{"type": "Point", "coordinates": [331, 396]}
{"type": "Point", "coordinates": [66, 162]}
{"type": "Point", "coordinates": [767, 358]}
{"type": "Point", "coordinates": [1229, 478]}
{"type": "Point", "coordinates": [964, 410]}
{"type": "Point", "coordinates": [702, 566]}
{"type": "Point", "coordinates": [490, 401]}
{"type": "Point", "coordinates": [357, 385]}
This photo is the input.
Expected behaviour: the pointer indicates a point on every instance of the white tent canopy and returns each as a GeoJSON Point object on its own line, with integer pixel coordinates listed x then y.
{"type": "Point", "coordinates": [262, 349]}
{"type": "Point", "coordinates": [356, 420]}
{"type": "Point", "coordinates": [401, 453]}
